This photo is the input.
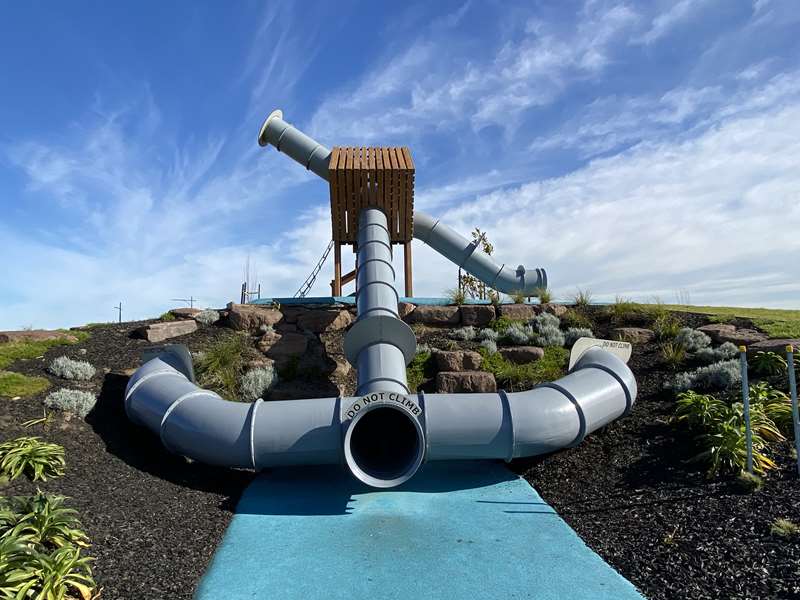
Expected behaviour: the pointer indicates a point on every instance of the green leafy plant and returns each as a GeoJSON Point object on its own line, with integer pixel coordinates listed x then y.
{"type": "Point", "coordinates": [674, 354]}
{"type": "Point", "coordinates": [26, 573]}
{"type": "Point", "coordinates": [43, 520]}
{"type": "Point", "coordinates": [32, 457]}
{"type": "Point", "coordinates": [768, 363]}
{"type": "Point", "coordinates": [167, 316]}
{"type": "Point", "coordinates": [775, 404]}
{"type": "Point", "coordinates": [421, 368]}
{"type": "Point", "coordinates": [784, 528]}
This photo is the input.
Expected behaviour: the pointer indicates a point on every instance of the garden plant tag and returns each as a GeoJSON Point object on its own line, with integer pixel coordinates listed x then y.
{"type": "Point", "coordinates": [620, 349]}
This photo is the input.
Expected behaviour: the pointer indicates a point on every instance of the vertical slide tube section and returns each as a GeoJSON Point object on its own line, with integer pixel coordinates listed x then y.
{"type": "Point", "coordinates": [467, 255]}
{"type": "Point", "coordinates": [385, 443]}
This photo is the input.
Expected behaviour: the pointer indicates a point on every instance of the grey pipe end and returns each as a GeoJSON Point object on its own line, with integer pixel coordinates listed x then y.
{"type": "Point", "coordinates": [262, 135]}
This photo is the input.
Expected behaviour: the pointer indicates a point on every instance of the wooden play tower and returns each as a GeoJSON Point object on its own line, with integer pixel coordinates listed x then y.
{"type": "Point", "coordinates": [363, 177]}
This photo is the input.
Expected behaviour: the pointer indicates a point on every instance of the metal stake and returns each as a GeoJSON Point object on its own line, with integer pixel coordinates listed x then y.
{"type": "Point", "coordinates": [793, 392]}
{"type": "Point", "coordinates": [746, 401]}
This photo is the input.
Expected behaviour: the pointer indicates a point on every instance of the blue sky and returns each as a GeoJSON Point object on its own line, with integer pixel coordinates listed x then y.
{"type": "Point", "coordinates": [642, 149]}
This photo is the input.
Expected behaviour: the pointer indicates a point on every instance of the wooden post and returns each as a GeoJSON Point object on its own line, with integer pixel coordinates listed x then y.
{"type": "Point", "coordinates": [336, 288]}
{"type": "Point", "coordinates": [407, 264]}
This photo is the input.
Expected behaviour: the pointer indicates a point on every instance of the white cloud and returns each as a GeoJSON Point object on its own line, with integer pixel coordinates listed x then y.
{"type": "Point", "coordinates": [664, 22]}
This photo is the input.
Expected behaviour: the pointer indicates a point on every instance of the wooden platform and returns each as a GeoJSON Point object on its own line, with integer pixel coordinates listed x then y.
{"type": "Point", "coordinates": [362, 177]}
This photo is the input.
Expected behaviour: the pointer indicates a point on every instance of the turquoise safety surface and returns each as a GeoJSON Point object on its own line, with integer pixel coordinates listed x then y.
{"type": "Point", "coordinates": [456, 530]}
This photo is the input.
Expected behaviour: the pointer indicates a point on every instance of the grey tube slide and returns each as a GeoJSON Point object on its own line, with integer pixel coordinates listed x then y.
{"type": "Point", "coordinates": [384, 433]}
{"type": "Point", "coordinates": [453, 246]}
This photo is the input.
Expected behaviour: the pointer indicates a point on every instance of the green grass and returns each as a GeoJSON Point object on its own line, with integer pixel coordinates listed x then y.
{"type": "Point", "coordinates": [18, 350]}
{"type": "Point", "coordinates": [17, 384]}
{"type": "Point", "coordinates": [222, 365]}
{"type": "Point", "coordinates": [777, 323]}
{"type": "Point", "coordinates": [420, 369]}
{"type": "Point", "coordinates": [502, 323]}
{"type": "Point", "coordinates": [515, 377]}
{"type": "Point", "coordinates": [167, 316]}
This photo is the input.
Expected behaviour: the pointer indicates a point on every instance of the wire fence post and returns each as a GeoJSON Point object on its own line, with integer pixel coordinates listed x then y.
{"type": "Point", "coordinates": [746, 401]}
{"type": "Point", "coordinates": [793, 393]}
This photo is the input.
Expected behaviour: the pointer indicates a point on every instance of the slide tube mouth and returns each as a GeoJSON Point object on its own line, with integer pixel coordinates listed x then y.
{"type": "Point", "coordinates": [384, 446]}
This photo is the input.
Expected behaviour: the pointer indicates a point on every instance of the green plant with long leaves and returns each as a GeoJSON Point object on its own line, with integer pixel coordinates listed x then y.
{"type": "Point", "coordinates": [768, 363]}
{"type": "Point", "coordinates": [775, 404]}
{"type": "Point", "coordinates": [27, 574]}
{"type": "Point", "coordinates": [699, 411]}
{"type": "Point", "coordinates": [674, 354]}
{"type": "Point", "coordinates": [33, 457]}
{"type": "Point", "coordinates": [43, 520]}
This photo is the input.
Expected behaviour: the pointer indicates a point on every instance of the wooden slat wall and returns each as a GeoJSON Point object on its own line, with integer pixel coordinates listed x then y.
{"type": "Point", "coordinates": [361, 177]}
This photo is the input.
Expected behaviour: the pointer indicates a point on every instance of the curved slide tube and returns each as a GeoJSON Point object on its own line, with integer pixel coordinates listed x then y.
{"type": "Point", "coordinates": [379, 447]}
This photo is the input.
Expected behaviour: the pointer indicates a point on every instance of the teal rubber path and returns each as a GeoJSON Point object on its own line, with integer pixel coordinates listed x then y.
{"type": "Point", "coordinates": [456, 530]}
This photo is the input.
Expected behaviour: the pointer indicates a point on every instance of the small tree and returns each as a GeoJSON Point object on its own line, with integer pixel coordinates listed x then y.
{"type": "Point", "coordinates": [468, 284]}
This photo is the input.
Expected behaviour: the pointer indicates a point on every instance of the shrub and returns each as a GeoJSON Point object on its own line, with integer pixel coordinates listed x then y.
{"type": "Point", "coordinates": [257, 382]}
{"type": "Point", "coordinates": [59, 574]}
{"type": "Point", "coordinates": [28, 455]}
{"type": "Point", "coordinates": [666, 326]}
{"type": "Point", "coordinates": [456, 296]}
{"type": "Point", "coordinates": [549, 336]}
{"type": "Point", "coordinates": [582, 299]}
{"type": "Point", "coordinates": [76, 402]}
{"type": "Point", "coordinates": [709, 355]}
{"type": "Point", "coordinates": [545, 320]}
{"type": "Point", "coordinates": [674, 354]}
{"type": "Point", "coordinates": [207, 316]}
{"type": "Point", "coordinates": [17, 384]}
{"type": "Point", "coordinates": [422, 367]}
{"type": "Point", "coordinates": [488, 334]}
{"type": "Point", "coordinates": [721, 375]}
{"type": "Point", "coordinates": [167, 316]}
{"type": "Point", "coordinates": [66, 368]}
{"type": "Point", "coordinates": [573, 334]}
{"type": "Point", "coordinates": [784, 528]}
{"type": "Point", "coordinates": [467, 333]}
{"type": "Point", "coordinates": [692, 340]}
{"type": "Point", "coordinates": [517, 334]}
{"type": "Point", "coordinates": [220, 368]}
{"type": "Point", "coordinates": [544, 295]}
{"type": "Point", "coordinates": [489, 345]}
{"type": "Point", "coordinates": [515, 377]}
{"type": "Point", "coordinates": [42, 520]}
{"type": "Point", "coordinates": [776, 405]}
{"type": "Point", "coordinates": [768, 363]}
{"type": "Point", "coordinates": [502, 323]}
{"type": "Point", "coordinates": [575, 318]}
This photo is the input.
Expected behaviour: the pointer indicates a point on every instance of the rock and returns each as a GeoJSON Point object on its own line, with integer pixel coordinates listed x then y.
{"type": "Point", "coordinates": [291, 313]}
{"type": "Point", "coordinates": [465, 381]}
{"type": "Point", "coordinates": [185, 313]}
{"type": "Point", "coordinates": [343, 367]}
{"type": "Point", "coordinates": [457, 360]}
{"type": "Point", "coordinates": [405, 308]}
{"type": "Point", "coordinates": [436, 315]}
{"type": "Point", "coordinates": [280, 346]}
{"type": "Point", "coordinates": [249, 317]}
{"type": "Point", "coordinates": [559, 310]}
{"type": "Point", "coordinates": [777, 345]}
{"type": "Point", "coordinates": [478, 315]}
{"type": "Point", "coordinates": [318, 321]}
{"type": "Point", "coordinates": [742, 337]}
{"type": "Point", "coordinates": [158, 332]}
{"type": "Point", "coordinates": [714, 330]}
{"type": "Point", "coordinates": [519, 312]}
{"type": "Point", "coordinates": [635, 335]}
{"type": "Point", "coordinates": [35, 335]}
{"type": "Point", "coordinates": [522, 354]}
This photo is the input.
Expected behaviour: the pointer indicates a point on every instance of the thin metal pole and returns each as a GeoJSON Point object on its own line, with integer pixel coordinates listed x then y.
{"type": "Point", "coordinates": [793, 392]}
{"type": "Point", "coordinates": [746, 401]}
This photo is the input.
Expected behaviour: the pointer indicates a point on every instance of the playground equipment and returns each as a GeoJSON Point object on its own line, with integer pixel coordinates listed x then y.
{"type": "Point", "coordinates": [384, 433]}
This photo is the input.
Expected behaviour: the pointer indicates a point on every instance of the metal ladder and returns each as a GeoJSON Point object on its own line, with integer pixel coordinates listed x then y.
{"type": "Point", "coordinates": [309, 282]}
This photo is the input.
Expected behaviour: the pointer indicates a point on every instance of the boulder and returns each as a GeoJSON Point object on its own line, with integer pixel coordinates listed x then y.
{"type": "Point", "coordinates": [714, 330]}
{"type": "Point", "coordinates": [158, 332]}
{"type": "Point", "coordinates": [457, 360]}
{"type": "Point", "coordinates": [742, 337]}
{"type": "Point", "coordinates": [318, 321]}
{"type": "Point", "coordinates": [281, 346]}
{"type": "Point", "coordinates": [465, 381]}
{"type": "Point", "coordinates": [185, 312]}
{"type": "Point", "coordinates": [249, 317]}
{"type": "Point", "coordinates": [478, 315]}
{"type": "Point", "coordinates": [777, 345]}
{"type": "Point", "coordinates": [522, 354]}
{"type": "Point", "coordinates": [405, 308]}
{"type": "Point", "coordinates": [634, 335]}
{"type": "Point", "coordinates": [436, 315]}
{"type": "Point", "coordinates": [519, 312]}
{"type": "Point", "coordinates": [559, 310]}
{"type": "Point", "coordinates": [35, 335]}
{"type": "Point", "coordinates": [291, 313]}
